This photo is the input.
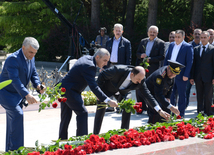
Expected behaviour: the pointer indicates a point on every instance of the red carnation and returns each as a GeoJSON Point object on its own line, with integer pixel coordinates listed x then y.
{"type": "Point", "coordinates": [63, 89]}
{"type": "Point", "coordinates": [212, 105]}
{"type": "Point", "coordinates": [54, 105]}
{"type": "Point", "coordinates": [139, 103]}
{"type": "Point", "coordinates": [178, 117]}
{"type": "Point", "coordinates": [64, 99]}
{"type": "Point", "coordinates": [60, 99]}
{"type": "Point", "coordinates": [193, 93]}
{"type": "Point", "coordinates": [181, 137]}
{"type": "Point", "coordinates": [66, 146]}
{"type": "Point", "coordinates": [147, 71]}
{"type": "Point", "coordinates": [139, 111]}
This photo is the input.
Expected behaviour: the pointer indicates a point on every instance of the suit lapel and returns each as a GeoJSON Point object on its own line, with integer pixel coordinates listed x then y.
{"type": "Point", "coordinates": [198, 52]}
{"type": "Point", "coordinates": [170, 50]}
{"type": "Point", "coordinates": [24, 64]}
{"type": "Point", "coordinates": [144, 45]}
{"type": "Point", "coordinates": [122, 79]}
{"type": "Point", "coordinates": [179, 52]}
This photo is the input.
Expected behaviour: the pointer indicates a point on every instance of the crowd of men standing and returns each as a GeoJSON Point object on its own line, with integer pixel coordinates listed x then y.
{"type": "Point", "coordinates": [197, 56]}
{"type": "Point", "coordinates": [174, 67]}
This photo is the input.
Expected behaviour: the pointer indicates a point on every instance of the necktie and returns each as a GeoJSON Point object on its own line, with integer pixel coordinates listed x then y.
{"type": "Point", "coordinates": [203, 51]}
{"type": "Point", "coordinates": [28, 66]}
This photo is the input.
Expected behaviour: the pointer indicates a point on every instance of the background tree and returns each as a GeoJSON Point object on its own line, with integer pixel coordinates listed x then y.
{"type": "Point", "coordinates": [152, 15]}
{"type": "Point", "coordinates": [130, 17]}
{"type": "Point", "coordinates": [21, 18]}
{"type": "Point", "coordinates": [197, 13]}
{"type": "Point", "coordinates": [95, 15]}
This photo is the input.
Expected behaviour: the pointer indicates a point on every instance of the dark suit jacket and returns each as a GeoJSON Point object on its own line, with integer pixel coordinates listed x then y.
{"type": "Point", "coordinates": [82, 74]}
{"type": "Point", "coordinates": [124, 50]}
{"type": "Point", "coordinates": [203, 67]}
{"type": "Point", "coordinates": [112, 78]}
{"type": "Point", "coordinates": [15, 68]}
{"type": "Point", "coordinates": [156, 54]}
{"type": "Point", "coordinates": [185, 57]}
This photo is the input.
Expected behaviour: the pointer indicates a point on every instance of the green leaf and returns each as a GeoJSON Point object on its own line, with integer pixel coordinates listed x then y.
{"type": "Point", "coordinates": [5, 83]}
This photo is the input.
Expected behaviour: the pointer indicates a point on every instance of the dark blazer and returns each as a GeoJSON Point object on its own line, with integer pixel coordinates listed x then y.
{"type": "Point", "coordinates": [185, 57]}
{"type": "Point", "coordinates": [112, 78]}
{"type": "Point", "coordinates": [81, 75]}
{"type": "Point", "coordinates": [15, 68]}
{"type": "Point", "coordinates": [203, 67]}
{"type": "Point", "coordinates": [124, 50]}
{"type": "Point", "coordinates": [156, 54]}
{"type": "Point", "coordinates": [161, 90]}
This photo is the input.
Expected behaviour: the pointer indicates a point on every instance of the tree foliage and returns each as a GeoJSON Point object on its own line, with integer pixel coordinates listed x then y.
{"type": "Point", "coordinates": [21, 18]}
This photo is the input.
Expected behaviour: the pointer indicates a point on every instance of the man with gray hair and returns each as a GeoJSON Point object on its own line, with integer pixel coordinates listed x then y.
{"type": "Point", "coordinates": [119, 47]}
{"type": "Point", "coordinates": [20, 68]}
{"type": "Point", "coordinates": [120, 50]}
{"type": "Point", "coordinates": [211, 32]}
{"type": "Point", "coordinates": [151, 48]}
{"type": "Point", "coordinates": [82, 74]}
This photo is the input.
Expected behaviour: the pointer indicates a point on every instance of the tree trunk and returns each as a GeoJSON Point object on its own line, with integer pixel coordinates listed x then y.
{"type": "Point", "coordinates": [152, 14]}
{"type": "Point", "coordinates": [95, 15]}
{"type": "Point", "coordinates": [197, 13]}
{"type": "Point", "coordinates": [124, 10]}
{"type": "Point", "coordinates": [130, 17]}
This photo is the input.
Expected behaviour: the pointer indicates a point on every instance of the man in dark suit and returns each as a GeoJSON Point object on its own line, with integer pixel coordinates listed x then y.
{"type": "Point", "coordinates": [160, 85]}
{"type": "Point", "coordinates": [82, 74]}
{"type": "Point", "coordinates": [202, 74]}
{"type": "Point", "coordinates": [181, 52]}
{"type": "Point", "coordinates": [194, 43]}
{"type": "Point", "coordinates": [153, 49]}
{"type": "Point", "coordinates": [120, 50]}
{"type": "Point", "coordinates": [20, 68]}
{"type": "Point", "coordinates": [118, 81]}
{"type": "Point", "coordinates": [119, 47]}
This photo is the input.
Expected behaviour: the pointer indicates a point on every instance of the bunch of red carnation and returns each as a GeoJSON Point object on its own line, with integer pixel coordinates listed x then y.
{"type": "Point", "coordinates": [209, 128]}
{"type": "Point", "coordinates": [184, 131]}
{"type": "Point", "coordinates": [138, 106]}
{"type": "Point", "coordinates": [95, 144]}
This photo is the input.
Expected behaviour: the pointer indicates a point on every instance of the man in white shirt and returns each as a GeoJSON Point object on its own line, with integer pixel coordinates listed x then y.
{"type": "Point", "coordinates": [181, 52]}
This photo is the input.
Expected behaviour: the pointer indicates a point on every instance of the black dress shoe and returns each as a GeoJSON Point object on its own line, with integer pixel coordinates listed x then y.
{"type": "Point", "coordinates": [110, 109]}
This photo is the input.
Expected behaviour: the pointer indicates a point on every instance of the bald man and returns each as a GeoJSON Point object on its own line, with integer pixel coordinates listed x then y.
{"type": "Point", "coordinates": [118, 81]}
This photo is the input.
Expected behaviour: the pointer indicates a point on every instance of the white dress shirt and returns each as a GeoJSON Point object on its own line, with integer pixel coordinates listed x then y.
{"type": "Point", "coordinates": [114, 51]}
{"type": "Point", "coordinates": [175, 51]}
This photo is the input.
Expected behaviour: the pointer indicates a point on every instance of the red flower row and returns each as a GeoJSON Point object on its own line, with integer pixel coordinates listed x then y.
{"type": "Point", "coordinates": [134, 138]}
